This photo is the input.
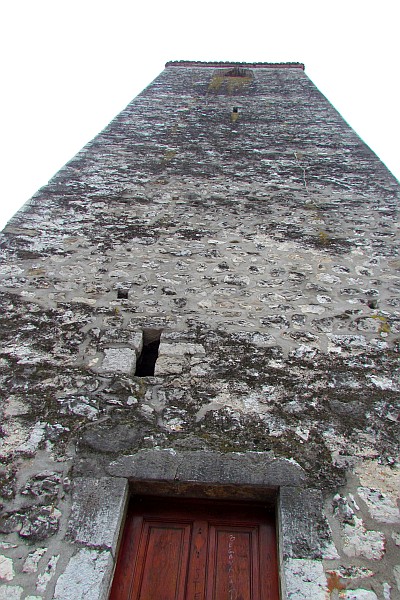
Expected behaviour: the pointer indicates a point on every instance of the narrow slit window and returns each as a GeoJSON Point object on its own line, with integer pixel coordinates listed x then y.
{"type": "Point", "coordinates": [147, 359]}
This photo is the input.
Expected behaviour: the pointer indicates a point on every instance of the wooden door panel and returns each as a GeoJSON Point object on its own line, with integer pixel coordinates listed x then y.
{"type": "Point", "coordinates": [231, 572]}
{"type": "Point", "coordinates": [162, 562]}
{"type": "Point", "coordinates": [186, 550]}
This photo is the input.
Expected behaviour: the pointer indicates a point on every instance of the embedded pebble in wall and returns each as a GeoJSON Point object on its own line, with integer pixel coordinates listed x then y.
{"type": "Point", "coordinates": [7, 572]}
{"type": "Point", "coordinates": [32, 560]}
{"type": "Point", "coordinates": [47, 574]}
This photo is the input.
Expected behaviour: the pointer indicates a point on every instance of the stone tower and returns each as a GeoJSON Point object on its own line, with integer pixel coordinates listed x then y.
{"type": "Point", "coordinates": [204, 303]}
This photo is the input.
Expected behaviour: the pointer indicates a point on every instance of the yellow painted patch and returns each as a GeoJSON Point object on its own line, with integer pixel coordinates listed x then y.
{"type": "Point", "coordinates": [323, 238]}
{"type": "Point", "coordinates": [169, 155]}
{"type": "Point", "coordinates": [231, 84]}
{"type": "Point", "coordinates": [384, 326]}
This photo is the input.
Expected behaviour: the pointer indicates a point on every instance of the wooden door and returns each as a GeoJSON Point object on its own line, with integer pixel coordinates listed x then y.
{"type": "Point", "coordinates": [175, 549]}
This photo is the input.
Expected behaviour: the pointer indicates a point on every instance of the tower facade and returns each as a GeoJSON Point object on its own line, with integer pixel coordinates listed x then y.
{"type": "Point", "coordinates": [204, 304]}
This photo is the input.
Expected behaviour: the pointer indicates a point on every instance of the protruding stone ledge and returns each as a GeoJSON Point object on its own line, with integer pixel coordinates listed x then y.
{"type": "Point", "coordinates": [259, 469]}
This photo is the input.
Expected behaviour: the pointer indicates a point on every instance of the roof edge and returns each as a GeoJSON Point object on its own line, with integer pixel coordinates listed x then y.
{"type": "Point", "coordinates": [224, 64]}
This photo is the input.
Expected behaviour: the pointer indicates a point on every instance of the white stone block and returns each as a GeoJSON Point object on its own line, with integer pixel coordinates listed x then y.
{"type": "Point", "coordinates": [136, 340]}
{"type": "Point", "coordinates": [168, 366]}
{"type": "Point", "coordinates": [180, 349]}
{"type": "Point", "coordinates": [386, 591]}
{"type": "Point", "coordinates": [11, 592]}
{"type": "Point", "coordinates": [86, 577]}
{"type": "Point", "coordinates": [119, 360]}
{"type": "Point", "coordinates": [360, 542]}
{"type": "Point", "coordinates": [396, 573]}
{"type": "Point", "coordinates": [358, 594]}
{"type": "Point", "coordinates": [6, 568]}
{"type": "Point", "coordinates": [83, 300]}
{"type": "Point", "coordinates": [35, 437]}
{"type": "Point", "coordinates": [305, 579]}
{"type": "Point", "coordinates": [32, 560]}
{"type": "Point", "coordinates": [380, 506]}
{"type": "Point", "coordinates": [314, 309]}
{"type": "Point", "coordinates": [48, 574]}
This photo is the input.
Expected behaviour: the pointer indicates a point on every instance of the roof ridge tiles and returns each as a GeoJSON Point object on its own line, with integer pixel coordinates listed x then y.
{"type": "Point", "coordinates": [226, 64]}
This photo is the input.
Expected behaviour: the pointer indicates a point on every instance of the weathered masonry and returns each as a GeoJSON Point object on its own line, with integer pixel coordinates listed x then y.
{"type": "Point", "coordinates": [204, 304]}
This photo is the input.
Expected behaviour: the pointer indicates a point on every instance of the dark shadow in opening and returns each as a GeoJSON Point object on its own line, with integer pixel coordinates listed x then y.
{"type": "Point", "coordinates": [147, 360]}
{"type": "Point", "coordinates": [238, 72]}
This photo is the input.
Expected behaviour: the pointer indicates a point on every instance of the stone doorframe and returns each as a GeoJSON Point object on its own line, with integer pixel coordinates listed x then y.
{"type": "Point", "coordinates": [99, 507]}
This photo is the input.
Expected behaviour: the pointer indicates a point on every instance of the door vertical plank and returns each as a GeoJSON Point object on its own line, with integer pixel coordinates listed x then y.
{"type": "Point", "coordinates": [126, 563]}
{"type": "Point", "coordinates": [231, 573]}
{"type": "Point", "coordinates": [269, 561]}
{"type": "Point", "coordinates": [195, 587]}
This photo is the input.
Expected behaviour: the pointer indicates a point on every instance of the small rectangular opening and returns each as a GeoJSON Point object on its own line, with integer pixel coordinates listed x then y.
{"type": "Point", "coordinates": [147, 360]}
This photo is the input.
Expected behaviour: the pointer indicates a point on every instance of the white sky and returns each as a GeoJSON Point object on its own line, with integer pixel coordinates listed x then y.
{"type": "Point", "coordinates": [68, 67]}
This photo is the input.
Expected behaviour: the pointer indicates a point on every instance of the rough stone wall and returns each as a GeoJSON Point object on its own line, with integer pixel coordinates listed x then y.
{"type": "Point", "coordinates": [243, 219]}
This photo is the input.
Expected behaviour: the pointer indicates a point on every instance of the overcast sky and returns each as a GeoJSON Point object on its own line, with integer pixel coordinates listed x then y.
{"type": "Point", "coordinates": [69, 67]}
